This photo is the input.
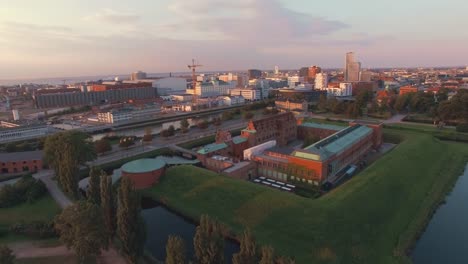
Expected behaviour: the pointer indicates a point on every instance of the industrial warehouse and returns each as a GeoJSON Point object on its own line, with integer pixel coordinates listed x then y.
{"type": "Point", "coordinates": [271, 149]}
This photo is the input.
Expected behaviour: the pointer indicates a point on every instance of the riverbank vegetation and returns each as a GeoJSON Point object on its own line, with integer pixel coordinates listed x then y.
{"type": "Point", "coordinates": [373, 218]}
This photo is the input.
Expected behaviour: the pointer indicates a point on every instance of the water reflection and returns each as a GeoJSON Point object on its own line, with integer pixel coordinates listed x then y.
{"type": "Point", "coordinates": [160, 223]}
{"type": "Point", "coordinates": [446, 237]}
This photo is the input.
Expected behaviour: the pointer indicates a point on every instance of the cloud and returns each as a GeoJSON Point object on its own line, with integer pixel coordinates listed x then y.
{"type": "Point", "coordinates": [111, 16]}
{"type": "Point", "coordinates": [253, 21]}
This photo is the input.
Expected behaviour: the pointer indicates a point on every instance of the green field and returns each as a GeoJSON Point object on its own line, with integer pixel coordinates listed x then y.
{"type": "Point", "coordinates": [42, 210]}
{"type": "Point", "coordinates": [373, 218]}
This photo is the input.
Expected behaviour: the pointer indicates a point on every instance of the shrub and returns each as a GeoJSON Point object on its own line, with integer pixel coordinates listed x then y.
{"type": "Point", "coordinates": [37, 230]}
{"type": "Point", "coordinates": [27, 189]}
{"type": "Point", "coordinates": [462, 127]}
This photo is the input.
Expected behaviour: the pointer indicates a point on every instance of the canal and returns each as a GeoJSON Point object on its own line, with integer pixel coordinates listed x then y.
{"type": "Point", "coordinates": [155, 129]}
{"type": "Point", "coordinates": [446, 237]}
{"type": "Point", "coordinates": [160, 223]}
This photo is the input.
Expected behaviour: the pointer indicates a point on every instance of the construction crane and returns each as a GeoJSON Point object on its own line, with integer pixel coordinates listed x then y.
{"type": "Point", "coordinates": [194, 79]}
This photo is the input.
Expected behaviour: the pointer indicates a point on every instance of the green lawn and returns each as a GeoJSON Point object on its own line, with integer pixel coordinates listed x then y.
{"type": "Point", "coordinates": [42, 210]}
{"type": "Point", "coordinates": [373, 218]}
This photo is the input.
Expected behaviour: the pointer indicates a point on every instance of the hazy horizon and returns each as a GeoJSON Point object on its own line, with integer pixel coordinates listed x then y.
{"type": "Point", "coordinates": [54, 38]}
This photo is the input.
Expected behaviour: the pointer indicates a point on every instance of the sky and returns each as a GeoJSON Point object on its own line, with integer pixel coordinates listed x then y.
{"type": "Point", "coordinates": [56, 38]}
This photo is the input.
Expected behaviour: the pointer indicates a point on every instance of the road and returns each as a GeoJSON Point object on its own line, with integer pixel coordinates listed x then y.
{"type": "Point", "coordinates": [160, 142]}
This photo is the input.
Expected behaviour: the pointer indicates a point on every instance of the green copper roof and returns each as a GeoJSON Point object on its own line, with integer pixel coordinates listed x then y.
{"type": "Point", "coordinates": [334, 144]}
{"type": "Point", "coordinates": [322, 126]}
{"type": "Point", "coordinates": [238, 140]}
{"type": "Point", "coordinates": [212, 148]}
{"type": "Point", "coordinates": [143, 165]}
{"type": "Point", "coordinates": [250, 131]}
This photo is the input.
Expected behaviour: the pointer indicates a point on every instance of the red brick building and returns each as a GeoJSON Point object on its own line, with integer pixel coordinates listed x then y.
{"type": "Point", "coordinates": [281, 127]}
{"type": "Point", "coordinates": [408, 89]}
{"type": "Point", "coordinates": [17, 162]}
{"type": "Point", "coordinates": [323, 160]}
{"type": "Point", "coordinates": [144, 173]}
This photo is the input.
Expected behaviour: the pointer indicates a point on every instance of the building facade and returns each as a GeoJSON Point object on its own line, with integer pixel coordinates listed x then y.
{"type": "Point", "coordinates": [281, 127]}
{"type": "Point", "coordinates": [20, 162]}
{"type": "Point", "coordinates": [321, 81]}
{"type": "Point", "coordinates": [352, 68]}
{"type": "Point", "coordinates": [24, 133]}
{"type": "Point", "coordinates": [249, 94]}
{"type": "Point", "coordinates": [323, 161]}
{"type": "Point", "coordinates": [66, 99]}
{"type": "Point", "coordinates": [292, 105]}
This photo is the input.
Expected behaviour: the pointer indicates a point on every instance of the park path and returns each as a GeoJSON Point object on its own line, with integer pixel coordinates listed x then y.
{"type": "Point", "coordinates": [46, 176]}
{"type": "Point", "coordinates": [33, 250]}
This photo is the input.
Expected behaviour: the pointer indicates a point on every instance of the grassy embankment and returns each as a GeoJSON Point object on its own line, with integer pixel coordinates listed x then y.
{"type": "Point", "coordinates": [44, 209]}
{"type": "Point", "coordinates": [373, 218]}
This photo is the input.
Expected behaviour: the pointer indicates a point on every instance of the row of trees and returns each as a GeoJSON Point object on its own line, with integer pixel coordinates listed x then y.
{"type": "Point", "coordinates": [209, 247]}
{"type": "Point", "coordinates": [65, 152]}
{"type": "Point", "coordinates": [91, 225]}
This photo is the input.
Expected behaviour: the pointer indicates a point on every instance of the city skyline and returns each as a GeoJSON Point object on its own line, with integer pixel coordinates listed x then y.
{"type": "Point", "coordinates": [75, 38]}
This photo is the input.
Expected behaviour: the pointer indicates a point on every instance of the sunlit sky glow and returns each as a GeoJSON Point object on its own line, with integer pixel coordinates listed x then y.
{"type": "Point", "coordinates": [53, 38]}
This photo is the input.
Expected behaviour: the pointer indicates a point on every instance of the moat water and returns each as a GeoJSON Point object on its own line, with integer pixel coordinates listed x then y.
{"type": "Point", "coordinates": [160, 223]}
{"type": "Point", "coordinates": [446, 238]}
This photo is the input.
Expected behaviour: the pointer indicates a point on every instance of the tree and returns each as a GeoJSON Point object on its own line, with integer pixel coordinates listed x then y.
{"type": "Point", "coordinates": [322, 104]}
{"type": "Point", "coordinates": [94, 189]}
{"type": "Point", "coordinates": [284, 260]}
{"type": "Point", "coordinates": [171, 130]}
{"type": "Point", "coordinates": [184, 125]}
{"type": "Point", "coordinates": [6, 255]}
{"type": "Point", "coordinates": [227, 116]}
{"type": "Point", "coordinates": [248, 250]}
{"type": "Point", "coordinates": [268, 255]}
{"type": "Point", "coordinates": [65, 152]}
{"type": "Point", "coordinates": [130, 225]}
{"type": "Point", "coordinates": [401, 103]}
{"type": "Point", "coordinates": [126, 142]}
{"type": "Point", "coordinates": [175, 251]}
{"type": "Point", "coordinates": [102, 146]}
{"type": "Point", "coordinates": [208, 242]}
{"type": "Point", "coordinates": [107, 207]}
{"type": "Point", "coordinates": [217, 121]}
{"type": "Point", "coordinates": [148, 137]}
{"type": "Point", "coordinates": [81, 228]}
{"type": "Point", "coordinates": [203, 124]}
{"type": "Point", "coordinates": [248, 115]}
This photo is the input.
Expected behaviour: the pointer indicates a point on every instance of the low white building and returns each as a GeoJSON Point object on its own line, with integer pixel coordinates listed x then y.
{"type": "Point", "coordinates": [249, 94]}
{"type": "Point", "coordinates": [112, 117]}
{"type": "Point", "coordinates": [182, 97]}
{"type": "Point", "coordinates": [231, 100]}
{"type": "Point", "coordinates": [19, 133]}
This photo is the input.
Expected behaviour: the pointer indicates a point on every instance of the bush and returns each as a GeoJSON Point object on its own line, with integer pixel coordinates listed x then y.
{"type": "Point", "coordinates": [462, 127]}
{"type": "Point", "coordinates": [37, 230]}
{"type": "Point", "coordinates": [27, 189]}
{"type": "Point", "coordinates": [8, 196]}
{"type": "Point", "coordinates": [103, 145]}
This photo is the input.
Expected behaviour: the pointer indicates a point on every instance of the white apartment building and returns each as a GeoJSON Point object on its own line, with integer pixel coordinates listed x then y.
{"type": "Point", "coordinates": [211, 88]}
{"type": "Point", "coordinates": [345, 89]}
{"type": "Point", "coordinates": [321, 81]}
{"type": "Point", "coordinates": [294, 80]}
{"type": "Point", "coordinates": [249, 94]}
{"type": "Point", "coordinates": [231, 100]}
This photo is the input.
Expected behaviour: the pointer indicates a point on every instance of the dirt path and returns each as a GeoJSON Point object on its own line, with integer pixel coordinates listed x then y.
{"type": "Point", "coordinates": [35, 250]}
